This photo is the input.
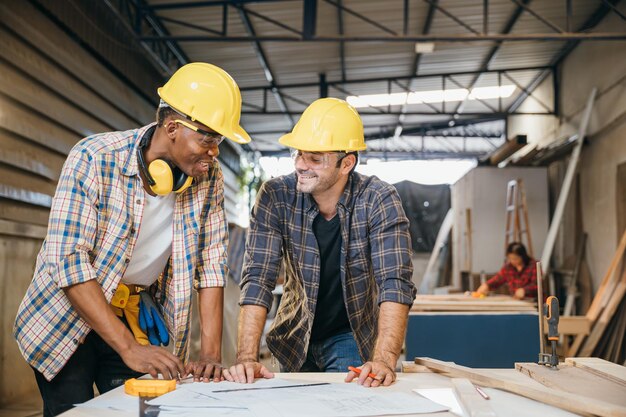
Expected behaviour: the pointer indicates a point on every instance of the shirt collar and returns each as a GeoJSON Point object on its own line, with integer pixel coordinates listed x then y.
{"type": "Point", "coordinates": [129, 165]}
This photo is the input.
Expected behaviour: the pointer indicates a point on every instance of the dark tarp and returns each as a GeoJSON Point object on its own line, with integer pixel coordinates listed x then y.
{"type": "Point", "coordinates": [426, 207]}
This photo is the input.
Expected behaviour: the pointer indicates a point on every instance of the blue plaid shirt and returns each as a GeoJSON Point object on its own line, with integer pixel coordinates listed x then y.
{"type": "Point", "coordinates": [375, 260]}
{"type": "Point", "coordinates": [96, 211]}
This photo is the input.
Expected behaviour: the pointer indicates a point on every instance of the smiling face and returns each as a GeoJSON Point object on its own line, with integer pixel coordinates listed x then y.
{"type": "Point", "coordinates": [194, 148]}
{"type": "Point", "coordinates": [318, 172]}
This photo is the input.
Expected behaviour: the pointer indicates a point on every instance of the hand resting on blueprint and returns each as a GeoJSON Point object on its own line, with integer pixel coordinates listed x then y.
{"type": "Point", "coordinates": [384, 374]}
{"type": "Point", "coordinates": [205, 370]}
{"type": "Point", "coordinates": [246, 371]}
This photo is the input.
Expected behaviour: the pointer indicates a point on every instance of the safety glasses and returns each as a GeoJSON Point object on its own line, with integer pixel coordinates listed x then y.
{"type": "Point", "coordinates": [317, 160]}
{"type": "Point", "coordinates": [208, 138]}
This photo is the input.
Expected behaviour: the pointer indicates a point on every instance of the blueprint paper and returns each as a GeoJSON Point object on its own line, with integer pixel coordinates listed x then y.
{"type": "Point", "coordinates": [372, 404]}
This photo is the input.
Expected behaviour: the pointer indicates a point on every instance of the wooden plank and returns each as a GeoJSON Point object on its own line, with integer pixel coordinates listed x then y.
{"type": "Point", "coordinates": [555, 223]}
{"type": "Point", "coordinates": [470, 304]}
{"type": "Point", "coordinates": [604, 320]}
{"type": "Point", "coordinates": [39, 99]}
{"type": "Point", "coordinates": [576, 381]}
{"type": "Point", "coordinates": [602, 295]}
{"type": "Point", "coordinates": [30, 156]}
{"type": "Point", "coordinates": [11, 228]}
{"type": "Point", "coordinates": [411, 367]}
{"type": "Point", "coordinates": [19, 120]}
{"type": "Point", "coordinates": [600, 367]}
{"type": "Point", "coordinates": [567, 401]}
{"type": "Point", "coordinates": [39, 31]}
{"type": "Point", "coordinates": [24, 213]}
{"type": "Point", "coordinates": [30, 61]}
{"type": "Point", "coordinates": [472, 404]}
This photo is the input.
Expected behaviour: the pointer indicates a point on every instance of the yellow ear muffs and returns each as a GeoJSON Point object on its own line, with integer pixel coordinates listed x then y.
{"type": "Point", "coordinates": [185, 185]}
{"type": "Point", "coordinates": [161, 173]}
{"type": "Point", "coordinates": [166, 180]}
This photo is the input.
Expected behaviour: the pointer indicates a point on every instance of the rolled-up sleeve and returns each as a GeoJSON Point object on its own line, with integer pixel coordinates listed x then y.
{"type": "Point", "coordinates": [73, 221]}
{"type": "Point", "coordinates": [390, 249]}
{"type": "Point", "coordinates": [262, 258]}
{"type": "Point", "coordinates": [213, 240]}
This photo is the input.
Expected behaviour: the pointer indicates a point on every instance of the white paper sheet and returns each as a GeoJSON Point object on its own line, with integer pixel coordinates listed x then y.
{"type": "Point", "coordinates": [443, 396]}
{"type": "Point", "coordinates": [114, 400]}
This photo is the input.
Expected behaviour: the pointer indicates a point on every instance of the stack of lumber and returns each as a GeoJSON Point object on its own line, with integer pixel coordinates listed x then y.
{"type": "Point", "coordinates": [588, 386]}
{"type": "Point", "coordinates": [460, 302]}
{"type": "Point", "coordinates": [607, 315]}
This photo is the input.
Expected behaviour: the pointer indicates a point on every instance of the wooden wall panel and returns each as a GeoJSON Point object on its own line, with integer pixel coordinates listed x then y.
{"type": "Point", "coordinates": [16, 268]}
{"type": "Point", "coordinates": [32, 62]}
{"type": "Point", "coordinates": [21, 121]}
{"type": "Point", "coordinates": [28, 156]}
{"type": "Point", "coordinates": [39, 31]}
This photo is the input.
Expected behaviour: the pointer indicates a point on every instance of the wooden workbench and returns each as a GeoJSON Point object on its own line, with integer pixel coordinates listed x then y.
{"type": "Point", "coordinates": [503, 403]}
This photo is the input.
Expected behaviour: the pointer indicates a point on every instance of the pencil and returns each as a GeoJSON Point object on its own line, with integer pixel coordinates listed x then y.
{"type": "Point", "coordinates": [358, 372]}
{"type": "Point", "coordinates": [481, 392]}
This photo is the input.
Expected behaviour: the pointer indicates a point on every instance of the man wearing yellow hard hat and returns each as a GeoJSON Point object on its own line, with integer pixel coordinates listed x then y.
{"type": "Point", "coordinates": [136, 223]}
{"type": "Point", "coordinates": [344, 240]}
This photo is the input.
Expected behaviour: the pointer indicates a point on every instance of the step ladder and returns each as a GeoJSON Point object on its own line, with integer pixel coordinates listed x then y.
{"type": "Point", "coordinates": [517, 225]}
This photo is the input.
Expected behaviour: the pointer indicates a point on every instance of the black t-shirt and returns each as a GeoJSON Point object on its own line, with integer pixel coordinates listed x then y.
{"type": "Point", "coordinates": [330, 313]}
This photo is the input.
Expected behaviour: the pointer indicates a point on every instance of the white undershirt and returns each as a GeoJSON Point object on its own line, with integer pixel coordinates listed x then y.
{"type": "Point", "coordinates": [154, 242]}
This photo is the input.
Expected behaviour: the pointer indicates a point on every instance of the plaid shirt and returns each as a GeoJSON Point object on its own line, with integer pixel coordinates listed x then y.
{"type": "Point", "coordinates": [375, 260]}
{"type": "Point", "coordinates": [96, 211]}
{"type": "Point", "coordinates": [526, 279]}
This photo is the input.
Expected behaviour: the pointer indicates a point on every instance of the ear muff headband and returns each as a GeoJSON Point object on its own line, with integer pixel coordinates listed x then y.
{"type": "Point", "coordinates": [161, 175]}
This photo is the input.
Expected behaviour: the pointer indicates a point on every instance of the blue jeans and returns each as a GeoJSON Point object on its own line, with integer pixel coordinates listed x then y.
{"type": "Point", "coordinates": [93, 362]}
{"type": "Point", "coordinates": [334, 354]}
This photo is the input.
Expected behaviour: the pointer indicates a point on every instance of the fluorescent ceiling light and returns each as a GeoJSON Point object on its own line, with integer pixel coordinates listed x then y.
{"type": "Point", "coordinates": [433, 96]}
{"type": "Point", "coordinates": [424, 47]}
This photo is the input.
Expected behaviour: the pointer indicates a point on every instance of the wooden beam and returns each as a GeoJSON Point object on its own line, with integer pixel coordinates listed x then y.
{"type": "Point", "coordinates": [601, 324]}
{"type": "Point", "coordinates": [507, 149]}
{"type": "Point", "coordinates": [564, 400]}
{"type": "Point", "coordinates": [605, 369]}
{"type": "Point", "coordinates": [567, 183]}
{"type": "Point", "coordinates": [602, 295]}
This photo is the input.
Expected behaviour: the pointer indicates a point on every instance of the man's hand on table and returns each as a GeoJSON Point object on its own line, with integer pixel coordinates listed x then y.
{"type": "Point", "coordinates": [246, 371]}
{"type": "Point", "coordinates": [384, 374]}
{"type": "Point", "coordinates": [205, 370]}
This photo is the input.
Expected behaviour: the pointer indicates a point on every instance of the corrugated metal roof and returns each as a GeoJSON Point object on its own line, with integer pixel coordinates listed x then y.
{"type": "Point", "coordinates": [303, 62]}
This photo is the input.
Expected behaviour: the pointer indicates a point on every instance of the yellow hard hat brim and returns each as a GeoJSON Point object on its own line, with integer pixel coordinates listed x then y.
{"type": "Point", "coordinates": [238, 135]}
{"type": "Point", "coordinates": [291, 140]}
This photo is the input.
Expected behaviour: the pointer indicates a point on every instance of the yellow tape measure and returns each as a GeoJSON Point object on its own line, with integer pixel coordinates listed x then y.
{"type": "Point", "coordinates": [149, 387]}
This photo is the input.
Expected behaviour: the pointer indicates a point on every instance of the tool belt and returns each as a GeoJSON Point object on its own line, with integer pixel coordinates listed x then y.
{"type": "Point", "coordinates": [141, 313]}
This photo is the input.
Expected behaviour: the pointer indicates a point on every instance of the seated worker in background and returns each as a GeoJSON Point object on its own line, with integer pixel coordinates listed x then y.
{"type": "Point", "coordinates": [519, 272]}
{"type": "Point", "coordinates": [136, 207]}
{"type": "Point", "coordinates": [344, 240]}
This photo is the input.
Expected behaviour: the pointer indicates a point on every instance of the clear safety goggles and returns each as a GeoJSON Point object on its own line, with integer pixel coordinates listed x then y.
{"type": "Point", "coordinates": [317, 160]}
{"type": "Point", "coordinates": [208, 138]}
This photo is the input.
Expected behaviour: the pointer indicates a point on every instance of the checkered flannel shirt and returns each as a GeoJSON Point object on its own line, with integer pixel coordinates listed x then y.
{"type": "Point", "coordinates": [96, 211]}
{"type": "Point", "coordinates": [526, 278]}
{"type": "Point", "coordinates": [375, 260]}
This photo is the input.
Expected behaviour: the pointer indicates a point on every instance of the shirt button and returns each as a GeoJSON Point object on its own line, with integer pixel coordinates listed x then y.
{"type": "Point", "coordinates": [75, 341]}
{"type": "Point", "coordinates": [132, 231]}
{"type": "Point", "coordinates": [127, 260]}
{"type": "Point", "coordinates": [138, 201]}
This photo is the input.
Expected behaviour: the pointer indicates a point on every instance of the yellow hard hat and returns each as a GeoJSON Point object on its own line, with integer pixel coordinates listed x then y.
{"type": "Point", "coordinates": [328, 124]}
{"type": "Point", "coordinates": [207, 93]}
